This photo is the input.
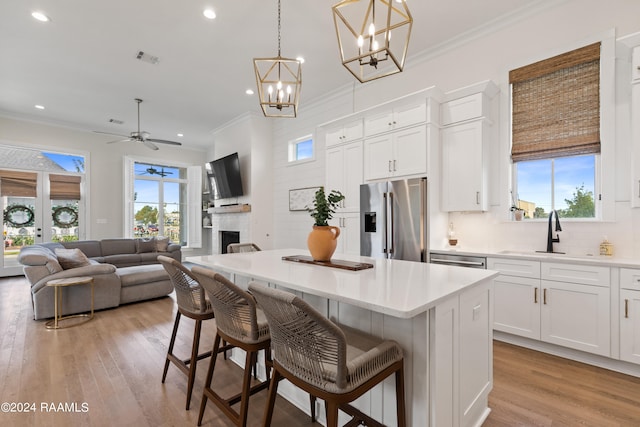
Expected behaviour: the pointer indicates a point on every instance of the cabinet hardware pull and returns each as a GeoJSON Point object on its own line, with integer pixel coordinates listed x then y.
{"type": "Point", "coordinates": [544, 296]}
{"type": "Point", "coordinates": [535, 295]}
{"type": "Point", "coordinates": [390, 166]}
{"type": "Point", "coordinates": [477, 197]}
{"type": "Point", "coordinates": [394, 166]}
{"type": "Point", "coordinates": [639, 188]}
{"type": "Point", "coordinates": [626, 308]}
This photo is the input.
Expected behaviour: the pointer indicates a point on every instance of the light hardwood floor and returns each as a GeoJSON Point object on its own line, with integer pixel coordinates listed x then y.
{"type": "Point", "coordinates": [108, 372]}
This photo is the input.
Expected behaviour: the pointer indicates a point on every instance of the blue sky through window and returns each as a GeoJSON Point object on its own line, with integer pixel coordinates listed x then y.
{"type": "Point", "coordinates": [570, 173]}
{"type": "Point", "coordinates": [66, 161]}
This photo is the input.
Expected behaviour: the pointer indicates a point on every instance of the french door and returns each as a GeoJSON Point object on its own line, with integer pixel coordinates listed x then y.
{"type": "Point", "coordinates": [38, 207]}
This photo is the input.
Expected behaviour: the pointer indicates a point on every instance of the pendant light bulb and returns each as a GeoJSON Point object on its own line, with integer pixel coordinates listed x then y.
{"type": "Point", "coordinates": [360, 41]}
{"type": "Point", "coordinates": [372, 29]}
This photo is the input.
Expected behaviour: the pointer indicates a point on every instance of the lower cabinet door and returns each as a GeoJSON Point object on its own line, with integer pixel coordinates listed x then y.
{"type": "Point", "coordinates": [517, 306]}
{"type": "Point", "coordinates": [630, 326]}
{"type": "Point", "coordinates": [576, 316]}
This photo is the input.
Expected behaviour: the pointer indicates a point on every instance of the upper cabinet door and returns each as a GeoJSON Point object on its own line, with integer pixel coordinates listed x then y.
{"type": "Point", "coordinates": [463, 171]}
{"type": "Point", "coordinates": [398, 118]}
{"type": "Point", "coordinates": [346, 132]}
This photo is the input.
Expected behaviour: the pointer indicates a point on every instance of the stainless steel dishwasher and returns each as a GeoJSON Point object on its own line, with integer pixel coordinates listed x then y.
{"type": "Point", "coordinates": [459, 260]}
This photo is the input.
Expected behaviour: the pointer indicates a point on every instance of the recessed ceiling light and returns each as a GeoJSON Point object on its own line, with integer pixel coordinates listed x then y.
{"type": "Point", "coordinates": [249, 92]}
{"type": "Point", "coordinates": [40, 16]}
{"type": "Point", "coordinates": [209, 14]}
{"type": "Point", "coordinates": [180, 135]}
{"type": "Point", "coordinates": [301, 59]}
{"type": "Point", "coordinates": [39, 107]}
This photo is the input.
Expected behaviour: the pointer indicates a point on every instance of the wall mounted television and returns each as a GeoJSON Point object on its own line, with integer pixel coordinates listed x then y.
{"type": "Point", "coordinates": [225, 180]}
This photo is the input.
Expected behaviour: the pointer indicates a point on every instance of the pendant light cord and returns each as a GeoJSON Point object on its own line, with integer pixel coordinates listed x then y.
{"type": "Point", "coordinates": [279, 28]}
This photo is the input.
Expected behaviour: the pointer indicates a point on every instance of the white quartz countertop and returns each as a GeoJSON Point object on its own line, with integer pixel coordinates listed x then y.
{"type": "Point", "coordinates": [608, 261]}
{"type": "Point", "coordinates": [397, 288]}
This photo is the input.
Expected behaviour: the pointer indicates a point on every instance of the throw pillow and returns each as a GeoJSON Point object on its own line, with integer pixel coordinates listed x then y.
{"type": "Point", "coordinates": [162, 244]}
{"type": "Point", "coordinates": [71, 258]}
{"type": "Point", "coordinates": [145, 245]}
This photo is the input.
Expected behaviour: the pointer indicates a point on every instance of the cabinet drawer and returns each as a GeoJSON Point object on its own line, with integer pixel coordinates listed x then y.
{"type": "Point", "coordinates": [515, 267]}
{"type": "Point", "coordinates": [585, 274]}
{"type": "Point", "coordinates": [630, 279]}
{"type": "Point", "coordinates": [469, 107]}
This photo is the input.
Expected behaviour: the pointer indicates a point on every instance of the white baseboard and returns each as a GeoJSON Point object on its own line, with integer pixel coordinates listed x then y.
{"type": "Point", "coordinates": [569, 353]}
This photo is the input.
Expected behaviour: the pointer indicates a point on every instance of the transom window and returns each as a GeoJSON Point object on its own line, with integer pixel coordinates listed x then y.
{"type": "Point", "coordinates": [301, 149]}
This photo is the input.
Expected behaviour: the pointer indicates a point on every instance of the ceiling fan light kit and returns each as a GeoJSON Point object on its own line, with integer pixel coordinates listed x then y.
{"type": "Point", "coordinates": [279, 82]}
{"type": "Point", "coordinates": [141, 136]}
{"type": "Point", "coordinates": [373, 36]}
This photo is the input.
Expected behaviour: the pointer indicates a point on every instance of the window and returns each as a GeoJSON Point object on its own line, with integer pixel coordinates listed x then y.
{"type": "Point", "coordinates": [164, 201]}
{"type": "Point", "coordinates": [556, 134]}
{"type": "Point", "coordinates": [301, 149]}
{"type": "Point", "coordinates": [565, 184]}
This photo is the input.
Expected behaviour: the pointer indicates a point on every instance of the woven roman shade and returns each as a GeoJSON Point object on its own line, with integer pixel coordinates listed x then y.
{"type": "Point", "coordinates": [556, 106]}
{"type": "Point", "coordinates": [64, 187]}
{"type": "Point", "coordinates": [18, 184]}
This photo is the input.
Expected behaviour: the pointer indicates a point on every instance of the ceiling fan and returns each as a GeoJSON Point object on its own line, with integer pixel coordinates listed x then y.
{"type": "Point", "coordinates": [140, 136]}
{"type": "Point", "coordinates": [153, 171]}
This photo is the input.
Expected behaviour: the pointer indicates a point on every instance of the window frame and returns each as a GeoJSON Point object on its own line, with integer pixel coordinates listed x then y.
{"type": "Point", "coordinates": [193, 181]}
{"type": "Point", "coordinates": [596, 190]}
{"type": "Point", "coordinates": [292, 150]}
{"type": "Point", "coordinates": [605, 161]}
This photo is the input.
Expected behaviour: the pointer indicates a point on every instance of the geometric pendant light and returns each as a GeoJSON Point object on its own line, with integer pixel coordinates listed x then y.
{"type": "Point", "coordinates": [373, 36]}
{"type": "Point", "coordinates": [279, 82]}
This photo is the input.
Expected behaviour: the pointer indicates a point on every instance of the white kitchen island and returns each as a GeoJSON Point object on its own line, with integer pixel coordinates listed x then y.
{"type": "Point", "coordinates": [440, 315]}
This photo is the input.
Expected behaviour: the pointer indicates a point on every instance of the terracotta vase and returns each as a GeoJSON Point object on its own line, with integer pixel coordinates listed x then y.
{"type": "Point", "coordinates": [322, 242]}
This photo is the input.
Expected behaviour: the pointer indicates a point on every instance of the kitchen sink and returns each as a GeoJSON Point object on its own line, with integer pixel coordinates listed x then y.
{"type": "Point", "coordinates": [545, 254]}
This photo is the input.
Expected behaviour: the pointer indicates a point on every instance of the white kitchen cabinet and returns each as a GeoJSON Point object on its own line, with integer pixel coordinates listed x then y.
{"type": "Point", "coordinates": [516, 296]}
{"type": "Point", "coordinates": [397, 118]}
{"type": "Point", "coordinates": [517, 306]}
{"type": "Point", "coordinates": [349, 239]}
{"type": "Point", "coordinates": [395, 154]}
{"type": "Point", "coordinates": [344, 173]}
{"type": "Point", "coordinates": [635, 144]}
{"type": "Point", "coordinates": [464, 374]}
{"type": "Point", "coordinates": [558, 303]}
{"type": "Point", "coordinates": [630, 315]}
{"type": "Point", "coordinates": [576, 316]}
{"type": "Point", "coordinates": [464, 166]}
{"type": "Point", "coordinates": [342, 133]}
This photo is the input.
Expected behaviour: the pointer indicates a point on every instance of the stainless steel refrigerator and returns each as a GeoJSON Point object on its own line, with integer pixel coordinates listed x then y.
{"type": "Point", "coordinates": [393, 219]}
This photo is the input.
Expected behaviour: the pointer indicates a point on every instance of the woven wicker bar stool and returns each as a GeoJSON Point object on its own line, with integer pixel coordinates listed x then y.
{"type": "Point", "coordinates": [192, 303]}
{"type": "Point", "coordinates": [334, 363]}
{"type": "Point", "coordinates": [242, 325]}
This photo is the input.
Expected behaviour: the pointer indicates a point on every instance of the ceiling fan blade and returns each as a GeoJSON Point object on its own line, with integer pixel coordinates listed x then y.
{"type": "Point", "coordinates": [111, 133]}
{"type": "Point", "coordinates": [150, 145]}
{"type": "Point", "coordinates": [163, 141]}
{"type": "Point", "coordinates": [119, 140]}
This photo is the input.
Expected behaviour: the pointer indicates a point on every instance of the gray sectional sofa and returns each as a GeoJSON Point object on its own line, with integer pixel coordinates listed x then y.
{"type": "Point", "coordinates": [124, 271]}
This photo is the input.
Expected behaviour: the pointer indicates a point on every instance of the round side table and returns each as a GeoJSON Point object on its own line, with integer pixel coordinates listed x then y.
{"type": "Point", "coordinates": [58, 285]}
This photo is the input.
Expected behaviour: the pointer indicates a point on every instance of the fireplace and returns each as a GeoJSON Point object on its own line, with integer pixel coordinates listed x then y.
{"type": "Point", "coordinates": [228, 237]}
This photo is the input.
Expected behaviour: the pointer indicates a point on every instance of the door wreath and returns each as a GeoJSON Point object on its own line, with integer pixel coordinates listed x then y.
{"type": "Point", "coordinates": [65, 217]}
{"type": "Point", "coordinates": [18, 216]}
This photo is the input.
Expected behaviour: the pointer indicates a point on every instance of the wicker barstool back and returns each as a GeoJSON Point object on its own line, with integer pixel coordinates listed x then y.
{"type": "Point", "coordinates": [189, 294]}
{"type": "Point", "coordinates": [234, 248]}
{"type": "Point", "coordinates": [192, 303]}
{"type": "Point", "coordinates": [332, 362]}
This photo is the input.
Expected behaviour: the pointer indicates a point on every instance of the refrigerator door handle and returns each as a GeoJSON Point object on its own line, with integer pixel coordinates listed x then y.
{"type": "Point", "coordinates": [384, 210]}
{"type": "Point", "coordinates": [392, 239]}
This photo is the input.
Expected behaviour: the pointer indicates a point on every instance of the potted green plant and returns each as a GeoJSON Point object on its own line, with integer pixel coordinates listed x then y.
{"type": "Point", "coordinates": [322, 240]}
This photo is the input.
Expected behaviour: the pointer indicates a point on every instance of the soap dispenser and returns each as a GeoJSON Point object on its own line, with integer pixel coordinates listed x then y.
{"type": "Point", "coordinates": [453, 240]}
{"type": "Point", "coordinates": [606, 248]}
